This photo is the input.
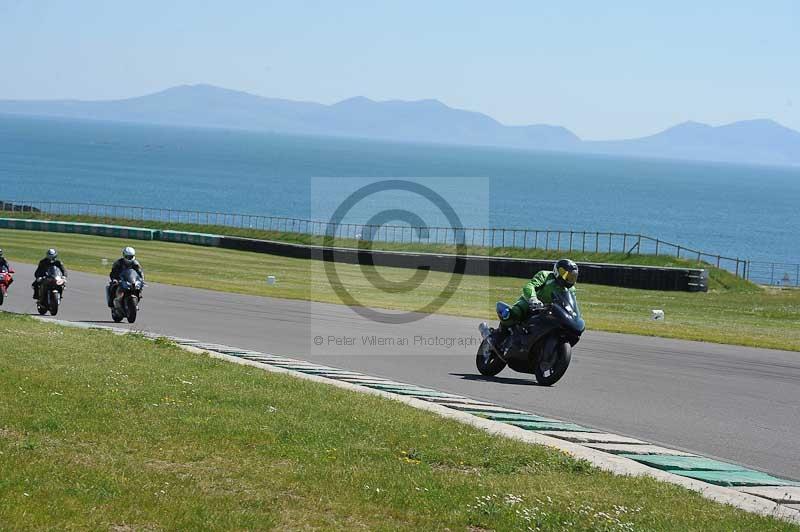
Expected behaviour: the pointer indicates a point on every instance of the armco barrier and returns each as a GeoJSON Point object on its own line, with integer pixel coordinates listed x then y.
{"type": "Point", "coordinates": [628, 276]}
{"type": "Point", "coordinates": [117, 231]}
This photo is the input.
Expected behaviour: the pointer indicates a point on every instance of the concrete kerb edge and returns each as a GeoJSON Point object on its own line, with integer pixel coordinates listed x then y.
{"type": "Point", "coordinates": [604, 461]}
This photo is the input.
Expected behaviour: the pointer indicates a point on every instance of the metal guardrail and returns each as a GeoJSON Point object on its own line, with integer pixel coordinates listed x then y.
{"type": "Point", "coordinates": [544, 239]}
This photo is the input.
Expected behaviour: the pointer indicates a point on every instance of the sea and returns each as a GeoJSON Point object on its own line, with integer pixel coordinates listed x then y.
{"type": "Point", "coordinates": [743, 211]}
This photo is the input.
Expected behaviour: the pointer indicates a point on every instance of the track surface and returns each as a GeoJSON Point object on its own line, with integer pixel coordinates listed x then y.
{"type": "Point", "coordinates": [733, 403]}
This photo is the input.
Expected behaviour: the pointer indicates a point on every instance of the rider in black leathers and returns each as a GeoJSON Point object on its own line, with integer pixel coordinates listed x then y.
{"type": "Point", "coordinates": [126, 262]}
{"type": "Point", "coordinates": [51, 259]}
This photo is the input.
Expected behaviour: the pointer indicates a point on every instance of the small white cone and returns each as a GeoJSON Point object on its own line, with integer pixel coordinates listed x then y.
{"type": "Point", "coordinates": [657, 314]}
{"type": "Point", "coordinates": [271, 280]}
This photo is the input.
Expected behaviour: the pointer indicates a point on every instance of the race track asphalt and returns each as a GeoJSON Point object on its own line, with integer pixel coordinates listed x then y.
{"type": "Point", "coordinates": [732, 403]}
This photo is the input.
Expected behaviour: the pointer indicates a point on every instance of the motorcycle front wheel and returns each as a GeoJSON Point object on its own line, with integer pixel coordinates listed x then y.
{"type": "Point", "coordinates": [490, 366]}
{"type": "Point", "coordinates": [55, 301]}
{"type": "Point", "coordinates": [552, 366]}
{"type": "Point", "coordinates": [131, 308]}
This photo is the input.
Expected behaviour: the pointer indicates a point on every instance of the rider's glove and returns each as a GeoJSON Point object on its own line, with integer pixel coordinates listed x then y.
{"type": "Point", "coordinates": [534, 304]}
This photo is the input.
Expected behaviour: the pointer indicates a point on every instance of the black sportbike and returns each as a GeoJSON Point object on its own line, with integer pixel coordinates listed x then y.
{"type": "Point", "coordinates": [125, 295]}
{"type": "Point", "coordinates": [51, 290]}
{"type": "Point", "coordinates": [541, 346]}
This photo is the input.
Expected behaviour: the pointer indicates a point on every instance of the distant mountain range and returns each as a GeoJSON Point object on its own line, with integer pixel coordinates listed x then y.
{"type": "Point", "coordinates": [751, 141]}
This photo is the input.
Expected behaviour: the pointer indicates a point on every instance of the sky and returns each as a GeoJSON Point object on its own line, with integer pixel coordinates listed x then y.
{"type": "Point", "coordinates": [604, 71]}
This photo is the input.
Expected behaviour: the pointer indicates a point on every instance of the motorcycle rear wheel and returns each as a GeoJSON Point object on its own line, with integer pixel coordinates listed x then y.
{"type": "Point", "coordinates": [549, 374]}
{"type": "Point", "coordinates": [490, 367]}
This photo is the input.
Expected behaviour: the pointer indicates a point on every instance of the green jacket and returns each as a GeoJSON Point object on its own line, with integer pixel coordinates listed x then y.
{"type": "Point", "coordinates": [541, 286]}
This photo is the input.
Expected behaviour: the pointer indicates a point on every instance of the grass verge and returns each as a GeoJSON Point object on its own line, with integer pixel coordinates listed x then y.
{"type": "Point", "coordinates": [99, 431]}
{"type": "Point", "coordinates": [759, 318]}
{"type": "Point", "coordinates": [718, 278]}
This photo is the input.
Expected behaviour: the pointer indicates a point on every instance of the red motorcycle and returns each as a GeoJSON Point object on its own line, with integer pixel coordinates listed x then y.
{"type": "Point", "coordinates": [6, 277]}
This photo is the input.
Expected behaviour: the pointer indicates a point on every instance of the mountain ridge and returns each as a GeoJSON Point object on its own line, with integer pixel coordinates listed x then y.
{"type": "Point", "coordinates": [427, 120]}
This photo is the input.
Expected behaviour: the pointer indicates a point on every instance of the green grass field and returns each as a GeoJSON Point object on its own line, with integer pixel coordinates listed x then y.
{"type": "Point", "coordinates": [745, 315]}
{"type": "Point", "coordinates": [106, 432]}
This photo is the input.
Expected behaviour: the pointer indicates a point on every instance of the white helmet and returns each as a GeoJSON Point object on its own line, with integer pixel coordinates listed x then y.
{"type": "Point", "coordinates": [129, 253]}
{"type": "Point", "coordinates": [52, 254]}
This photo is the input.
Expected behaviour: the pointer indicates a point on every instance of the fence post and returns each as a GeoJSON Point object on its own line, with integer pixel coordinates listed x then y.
{"type": "Point", "coordinates": [656, 247]}
{"type": "Point", "coordinates": [558, 241]}
{"type": "Point", "coordinates": [547, 241]}
{"type": "Point", "coordinates": [772, 274]}
{"type": "Point", "coordinates": [624, 241]}
{"type": "Point", "coordinates": [583, 245]}
{"type": "Point", "coordinates": [597, 242]}
{"type": "Point", "coordinates": [797, 276]}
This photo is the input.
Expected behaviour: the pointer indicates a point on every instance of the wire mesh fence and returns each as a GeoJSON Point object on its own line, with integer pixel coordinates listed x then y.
{"type": "Point", "coordinates": [774, 273]}
{"type": "Point", "coordinates": [487, 237]}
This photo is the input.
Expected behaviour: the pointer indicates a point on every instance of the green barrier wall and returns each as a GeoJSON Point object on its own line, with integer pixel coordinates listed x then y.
{"type": "Point", "coordinates": [117, 231]}
{"type": "Point", "coordinates": [198, 239]}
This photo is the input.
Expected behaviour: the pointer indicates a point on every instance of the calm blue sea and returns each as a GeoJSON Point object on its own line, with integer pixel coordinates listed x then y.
{"type": "Point", "coordinates": [746, 211]}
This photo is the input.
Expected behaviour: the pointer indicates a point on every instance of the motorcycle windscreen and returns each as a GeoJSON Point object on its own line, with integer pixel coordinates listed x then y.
{"type": "Point", "coordinates": [566, 299]}
{"type": "Point", "coordinates": [129, 276]}
{"type": "Point", "coordinates": [53, 272]}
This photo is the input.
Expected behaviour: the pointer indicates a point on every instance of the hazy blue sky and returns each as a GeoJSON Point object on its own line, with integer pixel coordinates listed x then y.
{"type": "Point", "coordinates": [604, 71]}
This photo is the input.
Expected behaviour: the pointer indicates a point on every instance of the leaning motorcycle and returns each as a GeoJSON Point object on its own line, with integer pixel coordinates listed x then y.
{"type": "Point", "coordinates": [51, 290]}
{"type": "Point", "coordinates": [6, 277]}
{"type": "Point", "coordinates": [126, 296]}
{"type": "Point", "coordinates": [541, 346]}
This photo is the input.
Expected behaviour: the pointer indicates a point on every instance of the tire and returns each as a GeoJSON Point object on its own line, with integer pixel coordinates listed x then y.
{"type": "Point", "coordinates": [491, 367]}
{"type": "Point", "coordinates": [55, 302]}
{"type": "Point", "coordinates": [547, 375]}
{"type": "Point", "coordinates": [116, 317]}
{"type": "Point", "coordinates": [131, 308]}
{"type": "Point", "coordinates": [40, 309]}
{"type": "Point", "coordinates": [2, 298]}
